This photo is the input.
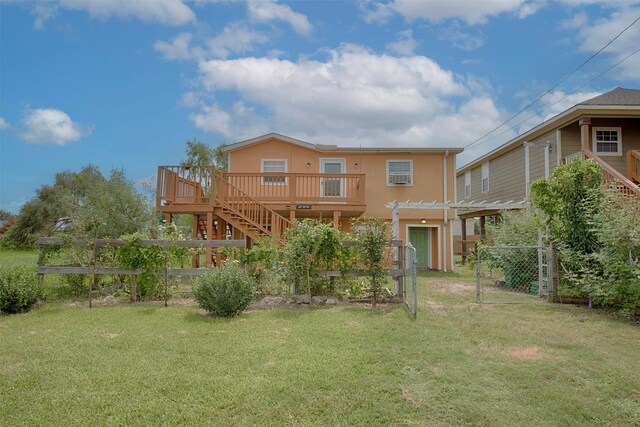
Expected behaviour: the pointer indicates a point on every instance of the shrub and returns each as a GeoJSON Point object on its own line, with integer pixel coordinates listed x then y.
{"type": "Point", "coordinates": [372, 236]}
{"type": "Point", "coordinates": [19, 290]}
{"type": "Point", "coordinates": [224, 291]}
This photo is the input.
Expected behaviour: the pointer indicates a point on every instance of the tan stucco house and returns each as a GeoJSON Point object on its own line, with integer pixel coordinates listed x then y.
{"type": "Point", "coordinates": [274, 179]}
{"type": "Point", "coordinates": [605, 129]}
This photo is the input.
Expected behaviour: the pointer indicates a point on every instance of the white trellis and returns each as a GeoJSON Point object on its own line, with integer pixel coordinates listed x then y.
{"type": "Point", "coordinates": [469, 206]}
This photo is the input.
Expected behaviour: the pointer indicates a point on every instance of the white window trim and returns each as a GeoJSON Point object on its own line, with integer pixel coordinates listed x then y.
{"type": "Point", "coordinates": [595, 145]}
{"type": "Point", "coordinates": [482, 177]}
{"type": "Point", "coordinates": [286, 169]}
{"type": "Point", "coordinates": [467, 184]}
{"type": "Point", "coordinates": [410, 172]}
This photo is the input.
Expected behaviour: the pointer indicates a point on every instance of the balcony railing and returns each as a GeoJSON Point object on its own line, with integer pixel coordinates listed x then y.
{"type": "Point", "coordinates": [193, 185]}
{"type": "Point", "coordinates": [571, 157]}
{"type": "Point", "coordinates": [301, 188]}
{"type": "Point", "coordinates": [181, 185]}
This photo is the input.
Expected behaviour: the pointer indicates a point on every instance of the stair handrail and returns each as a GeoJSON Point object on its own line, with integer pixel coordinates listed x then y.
{"type": "Point", "coordinates": [633, 165]}
{"type": "Point", "coordinates": [257, 215]}
{"type": "Point", "coordinates": [612, 176]}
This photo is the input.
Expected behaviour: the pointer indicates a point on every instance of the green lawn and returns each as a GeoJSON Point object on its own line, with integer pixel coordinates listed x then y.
{"type": "Point", "coordinates": [18, 258]}
{"type": "Point", "coordinates": [458, 363]}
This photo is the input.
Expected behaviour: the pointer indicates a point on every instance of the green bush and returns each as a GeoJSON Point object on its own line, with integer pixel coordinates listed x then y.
{"type": "Point", "coordinates": [224, 291]}
{"type": "Point", "coordinates": [19, 290]}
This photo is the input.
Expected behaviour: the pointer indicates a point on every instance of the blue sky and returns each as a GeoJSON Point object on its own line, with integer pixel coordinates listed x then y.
{"type": "Point", "coordinates": [123, 84]}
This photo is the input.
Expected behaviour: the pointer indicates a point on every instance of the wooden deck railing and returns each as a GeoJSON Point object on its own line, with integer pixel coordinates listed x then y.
{"type": "Point", "coordinates": [633, 165]}
{"type": "Point", "coordinates": [296, 188]}
{"type": "Point", "coordinates": [612, 177]}
{"type": "Point", "coordinates": [184, 185]}
{"type": "Point", "coordinates": [253, 212]}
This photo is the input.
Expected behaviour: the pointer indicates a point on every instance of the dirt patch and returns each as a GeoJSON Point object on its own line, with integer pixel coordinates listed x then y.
{"type": "Point", "coordinates": [456, 288]}
{"type": "Point", "coordinates": [437, 308]}
{"type": "Point", "coordinates": [635, 395]}
{"type": "Point", "coordinates": [527, 353]}
{"type": "Point", "coordinates": [111, 335]}
{"type": "Point", "coordinates": [407, 396]}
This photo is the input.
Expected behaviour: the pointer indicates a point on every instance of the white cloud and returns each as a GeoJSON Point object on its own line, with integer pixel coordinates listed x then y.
{"type": "Point", "coordinates": [241, 122]}
{"type": "Point", "coordinates": [470, 11]}
{"type": "Point", "coordinates": [179, 48]}
{"type": "Point", "coordinates": [594, 35]}
{"type": "Point", "coordinates": [43, 12]}
{"type": "Point", "coordinates": [269, 10]}
{"type": "Point", "coordinates": [168, 12]}
{"type": "Point", "coordinates": [235, 38]}
{"type": "Point", "coordinates": [353, 97]}
{"type": "Point", "coordinates": [49, 126]}
{"type": "Point", "coordinates": [460, 39]}
{"type": "Point", "coordinates": [405, 45]}
{"type": "Point", "coordinates": [4, 124]}
{"type": "Point", "coordinates": [556, 102]}
{"type": "Point", "coordinates": [376, 12]}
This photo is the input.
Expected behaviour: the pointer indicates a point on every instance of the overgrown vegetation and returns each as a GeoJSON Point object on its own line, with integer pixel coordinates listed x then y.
{"type": "Point", "coordinates": [225, 291]}
{"type": "Point", "coordinates": [19, 290]}
{"type": "Point", "coordinates": [596, 230]}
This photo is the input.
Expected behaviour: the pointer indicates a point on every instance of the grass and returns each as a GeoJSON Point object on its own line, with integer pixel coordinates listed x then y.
{"type": "Point", "coordinates": [18, 258]}
{"type": "Point", "coordinates": [458, 363]}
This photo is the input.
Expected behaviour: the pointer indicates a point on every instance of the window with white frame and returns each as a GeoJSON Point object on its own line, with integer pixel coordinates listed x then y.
{"type": "Point", "coordinates": [607, 141]}
{"type": "Point", "coordinates": [467, 184]}
{"type": "Point", "coordinates": [274, 166]}
{"type": "Point", "coordinates": [399, 172]}
{"type": "Point", "coordinates": [485, 177]}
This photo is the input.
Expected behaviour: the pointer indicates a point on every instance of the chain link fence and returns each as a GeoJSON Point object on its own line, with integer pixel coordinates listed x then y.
{"type": "Point", "coordinates": [410, 280]}
{"type": "Point", "coordinates": [512, 275]}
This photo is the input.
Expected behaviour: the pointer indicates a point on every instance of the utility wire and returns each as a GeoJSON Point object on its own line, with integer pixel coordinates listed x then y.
{"type": "Point", "coordinates": [554, 86]}
{"type": "Point", "coordinates": [564, 97]}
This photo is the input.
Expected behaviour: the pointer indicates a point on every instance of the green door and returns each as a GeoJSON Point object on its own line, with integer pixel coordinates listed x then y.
{"type": "Point", "coordinates": [419, 238]}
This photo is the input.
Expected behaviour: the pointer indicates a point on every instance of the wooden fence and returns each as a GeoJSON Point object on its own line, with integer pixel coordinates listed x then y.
{"type": "Point", "coordinates": [397, 272]}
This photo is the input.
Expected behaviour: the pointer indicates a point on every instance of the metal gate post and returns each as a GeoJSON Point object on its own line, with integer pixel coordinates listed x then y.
{"type": "Point", "coordinates": [478, 254]}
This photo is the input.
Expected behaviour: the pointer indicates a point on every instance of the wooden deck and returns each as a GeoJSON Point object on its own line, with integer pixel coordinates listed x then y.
{"type": "Point", "coordinates": [200, 189]}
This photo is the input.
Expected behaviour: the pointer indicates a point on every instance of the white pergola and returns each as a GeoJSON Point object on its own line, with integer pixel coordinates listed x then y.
{"type": "Point", "coordinates": [469, 206]}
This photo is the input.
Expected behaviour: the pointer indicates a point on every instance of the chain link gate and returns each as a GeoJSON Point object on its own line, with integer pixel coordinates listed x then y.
{"type": "Point", "coordinates": [512, 274]}
{"type": "Point", "coordinates": [410, 280]}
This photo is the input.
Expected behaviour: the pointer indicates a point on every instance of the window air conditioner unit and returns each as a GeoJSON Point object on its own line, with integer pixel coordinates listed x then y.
{"type": "Point", "coordinates": [400, 179]}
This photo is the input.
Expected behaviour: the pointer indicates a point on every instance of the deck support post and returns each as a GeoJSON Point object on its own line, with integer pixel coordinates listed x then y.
{"type": "Point", "coordinates": [168, 217]}
{"type": "Point", "coordinates": [585, 124]}
{"type": "Point", "coordinates": [483, 230]}
{"type": "Point", "coordinates": [336, 220]}
{"type": "Point", "coordinates": [195, 259]}
{"type": "Point", "coordinates": [208, 251]}
{"type": "Point", "coordinates": [292, 214]}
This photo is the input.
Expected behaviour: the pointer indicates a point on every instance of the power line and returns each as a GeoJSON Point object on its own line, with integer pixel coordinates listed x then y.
{"type": "Point", "coordinates": [554, 86]}
{"type": "Point", "coordinates": [564, 97]}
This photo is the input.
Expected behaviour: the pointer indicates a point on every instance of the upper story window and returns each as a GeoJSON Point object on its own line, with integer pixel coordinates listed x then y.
{"type": "Point", "coordinates": [272, 166]}
{"type": "Point", "coordinates": [467, 184]}
{"type": "Point", "coordinates": [607, 141]}
{"type": "Point", "coordinates": [399, 172]}
{"type": "Point", "coordinates": [485, 177]}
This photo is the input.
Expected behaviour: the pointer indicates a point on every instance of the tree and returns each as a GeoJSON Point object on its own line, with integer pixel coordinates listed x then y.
{"type": "Point", "coordinates": [38, 216]}
{"type": "Point", "coordinates": [570, 198]}
{"type": "Point", "coordinates": [201, 154]}
{"type": "Point", "coordinates": [112, 208]}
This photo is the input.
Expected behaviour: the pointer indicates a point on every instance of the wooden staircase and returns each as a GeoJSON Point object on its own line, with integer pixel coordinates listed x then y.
{"type": "Point", "coordinates": [614, 178]}
{"type": "Point", "coordinates": [246, 213]}
{"type": "Point", "coordinates": [633, 166]}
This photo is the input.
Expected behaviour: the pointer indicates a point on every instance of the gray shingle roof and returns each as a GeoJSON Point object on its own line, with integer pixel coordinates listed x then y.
{"type": "Point", "coordinates": [618, 96]}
